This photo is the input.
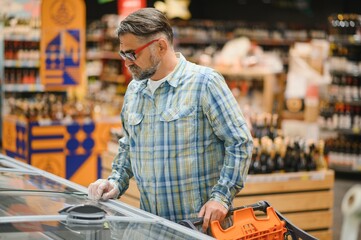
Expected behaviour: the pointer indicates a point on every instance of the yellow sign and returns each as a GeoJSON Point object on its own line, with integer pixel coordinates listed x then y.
{"type": "Point", "coordinates": [62, 59]}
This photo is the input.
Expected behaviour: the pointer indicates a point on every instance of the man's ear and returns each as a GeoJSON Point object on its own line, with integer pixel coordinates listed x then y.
{"type": "Point", "coordinates": [162, 46]}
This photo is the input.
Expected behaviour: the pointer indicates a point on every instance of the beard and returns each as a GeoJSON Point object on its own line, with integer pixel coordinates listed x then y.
{"type": "Point", "coordinates": [140, 74]}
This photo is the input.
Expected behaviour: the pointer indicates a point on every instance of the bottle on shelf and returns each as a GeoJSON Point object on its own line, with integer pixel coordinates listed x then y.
{"type": "Point", "coordinates": [343, 154]}
{"type": "Point", "coordinates": [286, 155]}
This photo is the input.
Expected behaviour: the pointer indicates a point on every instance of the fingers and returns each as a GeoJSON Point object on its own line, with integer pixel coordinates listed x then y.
{"type": "Point", "coordinates": [206, 221]}
{"type": "Point", "coordinates": [103, 187]}
{"type": "Point", "coordinates": [201, 212]}
{"type": "Point", "coordinates": [209, 217]}
{"type": "Point", "coordinates": [96, 189]}
{"type": "Point", "coordinates": [212, 211]}
{"type": "Point", "coordinates": [113, 193]}
{"type": "Point", "coordinates": [206, 214]}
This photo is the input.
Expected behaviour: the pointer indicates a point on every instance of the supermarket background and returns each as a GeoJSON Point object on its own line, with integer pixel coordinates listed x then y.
{"type": "Point", "coordinates": [294, 66]}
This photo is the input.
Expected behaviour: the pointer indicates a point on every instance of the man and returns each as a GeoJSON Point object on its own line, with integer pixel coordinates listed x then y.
{"type": "Point", "coordinates": [185, 140]}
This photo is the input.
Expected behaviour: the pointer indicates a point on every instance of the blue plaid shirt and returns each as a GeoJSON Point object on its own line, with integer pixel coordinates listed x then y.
{"type": "Point", "coordinates": [186, 144]}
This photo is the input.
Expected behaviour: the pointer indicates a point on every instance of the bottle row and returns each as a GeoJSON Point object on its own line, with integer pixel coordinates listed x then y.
{"type": "Point", "coordinates": [344, 24]}
{"type": "Point", "coordinates": [340, 116]}
{"type": "Point", "coordinates": [103, 28]}
{"type": "Point", "coordinates": [21, 28]}
{"type": "Point", "coordinates": [211, 31]}
{"type": "Point", "coordinates": [342, 64]}
{"type": "Point", "coordinates": [107, 44]}
{"type": "Point", "coordinates": [21, 75]}
{"type": "Point", "coordinates": [351, 52]}
{"type": "Point", "coordinates": [46, 107]}
{"type": "Point", "coordinates": [346, 88]}
{"type": "Point", "coordinates": [100, 102]}
{"type": "Point", "coordinates": [286, 155]}
{"type": "Point", "coordinates": [343, 153]}
{"type": "Point", "coordinates": [21, 50]}
{"type": "Point", "coordinates": [264, 125]}
{"type": "Point", "coordinates": [30, 75]}
{"type": "Point", "coordinates": [112, 68]}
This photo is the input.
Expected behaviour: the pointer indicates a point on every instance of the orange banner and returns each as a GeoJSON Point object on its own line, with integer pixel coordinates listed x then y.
{"type": "Point", "coordinates": [62, 44]}
{"type": "Point", "coordinates": [9, 134]}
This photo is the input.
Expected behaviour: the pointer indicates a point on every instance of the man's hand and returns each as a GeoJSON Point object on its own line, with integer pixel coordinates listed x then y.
{"type": "Point", "coordinates": [102, 189]}
{"type": "Point", "coordinates": [211, 211]}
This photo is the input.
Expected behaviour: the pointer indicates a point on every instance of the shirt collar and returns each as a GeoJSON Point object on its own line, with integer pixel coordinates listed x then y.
{"type": "Point", "coordinates": [172, 78]}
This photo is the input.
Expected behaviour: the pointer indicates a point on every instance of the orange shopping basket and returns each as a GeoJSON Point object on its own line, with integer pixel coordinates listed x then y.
{"type": "Point", "coordinates": [246, 226]}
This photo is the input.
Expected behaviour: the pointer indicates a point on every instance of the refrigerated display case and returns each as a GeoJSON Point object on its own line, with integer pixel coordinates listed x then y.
{"type": "Point", "coordinates": [39, 205]}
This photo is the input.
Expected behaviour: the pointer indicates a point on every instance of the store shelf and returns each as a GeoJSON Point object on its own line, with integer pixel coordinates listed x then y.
{"type": "Point", "coordinates": [22, 63]}
{"type": "Point", "coordinates": [100, 37]}
{"type": "Point", "coordinates": [346, 40]}
{"type": "Point", "coordinates": [268, 76]}
{"type": "Point", "coordinates": [352, 103]}
{"type": "Point", "coordinates": [112, 78]}
{"type": "Point", "coordinates": [356, 132]}
{"type": "Point", "coordinates": [344, 169]}
{"type": "Point", "coordinates": [93, 55]}
{"type": "Point", "coordinates": [345, 73]}
{"type": "Point", "coordinates": [23, 38]}
{"type": "Point", "coordinates": [201, 41]}
{"type": "Point", "coordinates": [23, 88]}
{"type": "Point", "coordinates": [294, 116]}
{"type": "Point", "coordinates": [343, 103]}
{"type": "Point", "coordinates": [278, 42]}
{"type": "Point", "coordinates": [94, 38]}
{"type": "Point", "coordinates": [247, 73]}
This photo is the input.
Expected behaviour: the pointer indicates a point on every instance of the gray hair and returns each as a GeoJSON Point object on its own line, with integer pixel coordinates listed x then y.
{"type": "Point", "coordinates": [145, 23]}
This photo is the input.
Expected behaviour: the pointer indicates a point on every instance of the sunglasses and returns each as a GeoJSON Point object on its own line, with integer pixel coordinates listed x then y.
{"type": "Point", "coordinates": [131, 54]}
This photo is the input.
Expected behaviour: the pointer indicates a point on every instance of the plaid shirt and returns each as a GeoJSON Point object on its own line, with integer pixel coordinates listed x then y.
{"type": "Point", "coordinates": [186, 144]}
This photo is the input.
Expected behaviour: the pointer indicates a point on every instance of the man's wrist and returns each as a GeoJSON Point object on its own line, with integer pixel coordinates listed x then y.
{"type": "Point", "coordinates": [220, 199]}
{"type": "Point", "coordinates": [115, 184]}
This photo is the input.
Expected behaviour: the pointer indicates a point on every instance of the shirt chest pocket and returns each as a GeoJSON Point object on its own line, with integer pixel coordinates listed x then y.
{"type": "Point", "coordinates": [135, 124]}
{"type": "Point", "coordinates": [180, 123]}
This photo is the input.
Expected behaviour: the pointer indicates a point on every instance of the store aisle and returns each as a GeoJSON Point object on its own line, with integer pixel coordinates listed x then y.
{"type": "Point", "coordinates": [342, 184]}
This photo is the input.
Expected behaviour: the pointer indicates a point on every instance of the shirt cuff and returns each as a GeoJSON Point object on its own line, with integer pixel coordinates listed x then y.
{"type": "Point", "coordinates": [115, 183]}
{"type": "Point", "coordinates": [221, 199]}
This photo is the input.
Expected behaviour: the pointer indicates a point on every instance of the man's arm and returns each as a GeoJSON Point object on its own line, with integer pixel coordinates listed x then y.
{"type": "Point", "coordinates": [228, 123]}
{"type": "Point", "coordinates": [118, 181]}
{"type": "Point", "coordinates": [121, 167]}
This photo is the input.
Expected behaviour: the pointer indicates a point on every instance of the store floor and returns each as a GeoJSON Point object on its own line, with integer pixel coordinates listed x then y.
{"type": "Point", "coordinates": [343, 182]}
